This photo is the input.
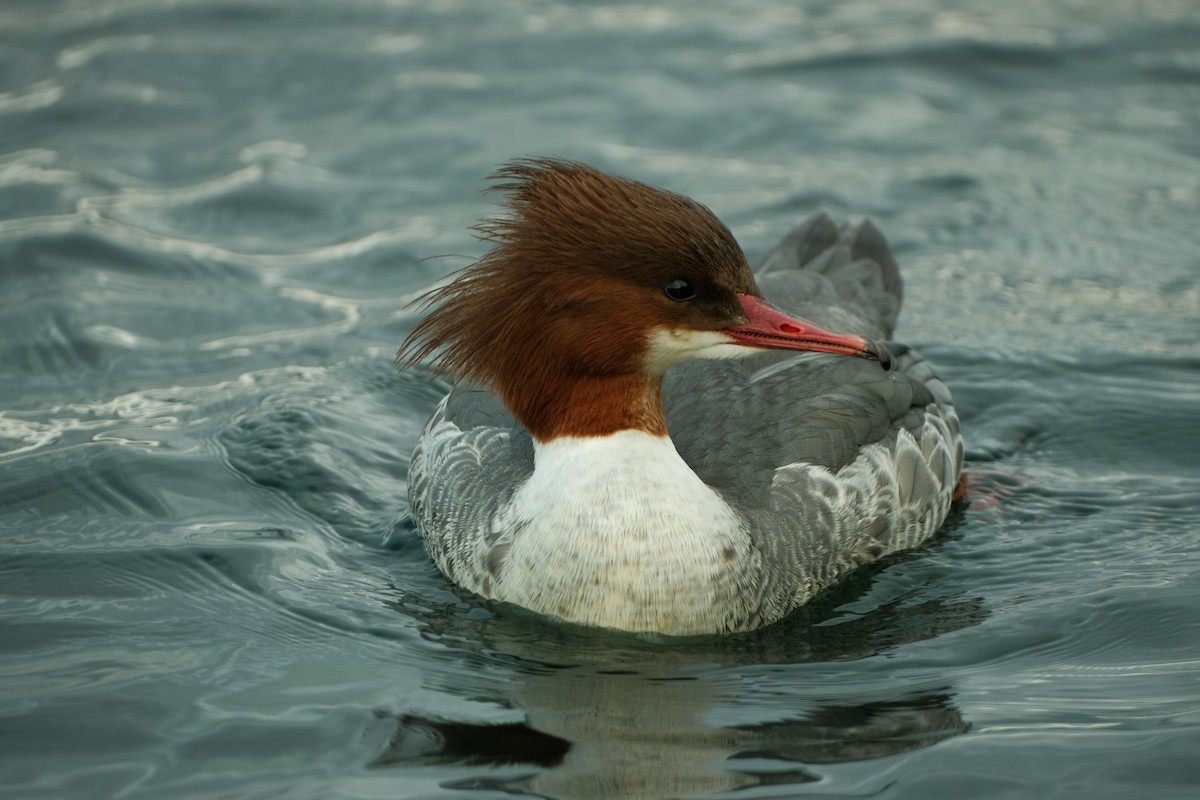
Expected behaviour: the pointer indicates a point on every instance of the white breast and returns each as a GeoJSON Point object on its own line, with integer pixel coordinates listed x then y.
{"type": "Point", "coordinates": [618, 531]}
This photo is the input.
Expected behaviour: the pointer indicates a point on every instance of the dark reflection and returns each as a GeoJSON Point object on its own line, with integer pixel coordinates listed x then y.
{"type": "Point", "coordinates": [837, 733]}
{"type": "Point", "coordinates": [604, 735]}
{"type": "Point", "coordinates": [605, 714]}
{"type": "Point", "coordinates": [419, 739]}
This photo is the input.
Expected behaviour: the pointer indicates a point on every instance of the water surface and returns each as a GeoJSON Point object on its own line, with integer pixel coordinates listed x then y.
{"type": "Point", "coordinates": [213, 215]}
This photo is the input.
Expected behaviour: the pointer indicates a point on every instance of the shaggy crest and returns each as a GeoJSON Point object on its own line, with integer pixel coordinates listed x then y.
{"type": "Point", "coordinates": [568, 232]}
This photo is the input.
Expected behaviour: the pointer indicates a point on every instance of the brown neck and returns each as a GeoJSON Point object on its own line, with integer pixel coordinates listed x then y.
{"type": "Point", "coordinates": [592, 405]}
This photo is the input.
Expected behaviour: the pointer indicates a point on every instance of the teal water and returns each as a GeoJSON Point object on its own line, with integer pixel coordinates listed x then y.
{"type": "Point", "coordinates": [212, 217]}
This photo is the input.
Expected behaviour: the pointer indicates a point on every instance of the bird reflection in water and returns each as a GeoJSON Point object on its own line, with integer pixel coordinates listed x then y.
{"type": "Point", "coordinates": [653, 742]}
{"type": "Point", "coordinates": [635, 719]}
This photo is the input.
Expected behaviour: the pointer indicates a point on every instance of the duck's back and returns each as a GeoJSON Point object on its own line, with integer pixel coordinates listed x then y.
{"type": "Point", "coordinates": [833, 461]}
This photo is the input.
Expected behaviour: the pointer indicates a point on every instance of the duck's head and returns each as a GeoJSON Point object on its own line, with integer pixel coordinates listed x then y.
{"type": "Point", "coordinates": [597, 285]}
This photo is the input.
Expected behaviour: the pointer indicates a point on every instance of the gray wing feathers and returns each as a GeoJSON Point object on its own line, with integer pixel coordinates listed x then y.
{"type": "Point", "coordinates": [842, 277]}
{"type": "Point", "coordinates": [861, 462]}
{"type": "Point", "coordinates": [891, 498]}
{"type": "Point", "coordinates": [460, 477]}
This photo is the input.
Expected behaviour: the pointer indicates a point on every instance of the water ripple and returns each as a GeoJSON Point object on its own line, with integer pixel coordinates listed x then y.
{"type": "Point", "coordinates": [212, 217]}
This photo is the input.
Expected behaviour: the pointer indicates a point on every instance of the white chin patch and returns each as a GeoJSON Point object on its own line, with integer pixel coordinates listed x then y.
{"type": "Point", "coordinates": [669, 347]}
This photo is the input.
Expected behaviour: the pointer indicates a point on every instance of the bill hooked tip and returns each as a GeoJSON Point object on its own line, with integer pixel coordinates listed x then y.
{"type": "Point", "coordinates": [879, 351]}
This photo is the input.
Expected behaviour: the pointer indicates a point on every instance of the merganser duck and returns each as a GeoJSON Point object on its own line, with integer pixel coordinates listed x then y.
{"type": "Point", "coordinates": [635, 443]}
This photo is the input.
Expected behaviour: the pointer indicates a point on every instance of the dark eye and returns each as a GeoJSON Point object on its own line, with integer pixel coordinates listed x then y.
{"type": "Point", "coordinates": [679, 289]}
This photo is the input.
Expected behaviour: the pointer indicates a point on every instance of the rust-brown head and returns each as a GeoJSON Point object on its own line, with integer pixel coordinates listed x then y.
{"type": "Point", "coordinates": [596, 285]}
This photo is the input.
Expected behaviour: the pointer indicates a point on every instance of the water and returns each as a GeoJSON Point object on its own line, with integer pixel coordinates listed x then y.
{"type": "Point", "coordinates": [212, 216]}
